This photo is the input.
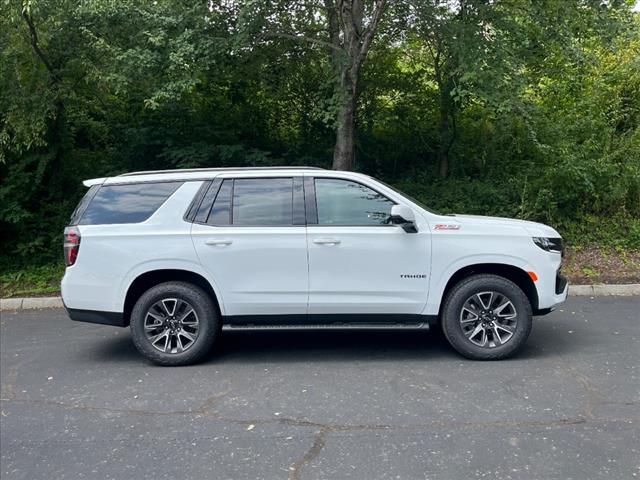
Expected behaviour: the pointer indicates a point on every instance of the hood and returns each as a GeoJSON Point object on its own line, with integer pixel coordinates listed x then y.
{"type": "Point", "coordinates": [533, 228]}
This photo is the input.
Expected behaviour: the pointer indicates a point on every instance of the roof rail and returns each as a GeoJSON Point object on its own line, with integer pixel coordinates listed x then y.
{"type": "Point", "coordinates": [215, 169]}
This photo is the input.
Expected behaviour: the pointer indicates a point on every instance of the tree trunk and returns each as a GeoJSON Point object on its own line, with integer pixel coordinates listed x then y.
{"type": "Point", "coordinates": [445, 139]}
{"type": "Point", "coordinates": [447, 126]}
{"type": "Point", "coordinates": [343, 152]}
{"type": "Point", "coordinates": [347, 57]}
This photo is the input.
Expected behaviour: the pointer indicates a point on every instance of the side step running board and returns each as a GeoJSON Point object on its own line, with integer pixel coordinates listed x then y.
{"type": "Point", "coordinates": [333, 326]}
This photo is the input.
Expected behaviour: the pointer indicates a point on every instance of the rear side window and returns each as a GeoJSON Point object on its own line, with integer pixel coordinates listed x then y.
{"type": "Point", "coordinates": [127, 203]}
{"type": "Point", "coordinates": [221, 211]}
{"type": "Point", "coordinates": [263, 201]}
{"type": "Point", "coordinates": [258, 202]}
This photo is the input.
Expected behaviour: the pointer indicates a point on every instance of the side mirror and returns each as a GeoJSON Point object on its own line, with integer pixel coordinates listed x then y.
{"type": "Point", "coordinates": [403, 216]}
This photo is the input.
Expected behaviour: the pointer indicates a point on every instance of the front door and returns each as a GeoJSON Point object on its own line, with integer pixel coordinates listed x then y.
{"type": "Point", "coordinates": [358, 262]}
{"type": "Point", "coordinates": [250, 235]}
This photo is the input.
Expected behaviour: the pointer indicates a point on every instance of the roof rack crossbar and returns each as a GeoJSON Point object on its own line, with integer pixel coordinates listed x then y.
{"type": "Point", "coordinates": [215, 169]}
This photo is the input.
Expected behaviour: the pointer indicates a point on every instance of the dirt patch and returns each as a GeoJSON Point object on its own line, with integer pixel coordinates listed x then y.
{"type": "Point", "coordinates": [591, 265]}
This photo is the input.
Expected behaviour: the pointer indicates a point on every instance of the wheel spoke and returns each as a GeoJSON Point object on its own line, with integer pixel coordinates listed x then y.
{"type": "Point", "coordinates": [179, 346]}
{"type": "Point", "coordinates": [161, 336]}
{"type": "Point", "coordinates": [155, 316]}
{"type": "Point", "coordinates": [483, 338]}
{"type": "Point", "coordinates": [168, 308]}
{"type": "Point", "coordinates": [500, 308]}
{"type": "Point", "coordinates": [485, 306]}
{"type": "Point", "coordinates": [183, 320]}
{"type": "Point", "coordinates": [168, 347]}
{"type": "Point", "coordinates": [475, 331]}
{"type": "Point", "coordinates": [472, 319]}
{"type": "Point", "coordinates": [187, 335]}
{"type": "Point", "coordinates": [155, 325]}
{"type": "Point", "coordinates": [508, 332]}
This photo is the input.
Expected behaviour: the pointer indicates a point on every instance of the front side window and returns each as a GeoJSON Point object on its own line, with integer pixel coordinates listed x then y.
{"type": "Point", "coordinates": [343, 202]}
{"type": "Point", "coordinates": [131, 203]}
{"type": "Point", "coordinates": [262, 202]}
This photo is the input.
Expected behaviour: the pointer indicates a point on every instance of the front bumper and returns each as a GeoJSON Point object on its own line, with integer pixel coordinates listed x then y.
{"type": "Point", "coordinates": [548, 303]}
{"type": "Point", "coordinates": [562, 284]}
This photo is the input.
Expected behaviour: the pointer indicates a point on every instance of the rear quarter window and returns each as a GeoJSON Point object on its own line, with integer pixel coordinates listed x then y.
{"type": "Point", "coordinates": [82, 205]}
{"type": "Point", "coordinates": [131, 203]}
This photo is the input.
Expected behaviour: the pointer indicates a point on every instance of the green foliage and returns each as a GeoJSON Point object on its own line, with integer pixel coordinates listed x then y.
{"type": "Point", "coordinates": [544, 110]}
{"type": "Point", "coordinates": [30, 280]}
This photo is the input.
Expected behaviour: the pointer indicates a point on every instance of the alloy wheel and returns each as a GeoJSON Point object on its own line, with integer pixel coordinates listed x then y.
{"type": "Point", "coordinates": [488, 319]}
{"type": "Point", "coordinates": [171, 325]}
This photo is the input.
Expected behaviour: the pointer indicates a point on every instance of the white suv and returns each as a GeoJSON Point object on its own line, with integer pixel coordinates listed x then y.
{"type": "Point", "coordinates": [178, 254]}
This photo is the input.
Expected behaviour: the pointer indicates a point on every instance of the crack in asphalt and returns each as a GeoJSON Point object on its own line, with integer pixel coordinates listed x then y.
{"type": "Point", "coordinates": [595, 398]}
{"type": "Point", "coordinates": [318, 444]}
{"type": "Point", "coordinates": [292, 422]}
{"type": "Point", "coordinates": [321, 430]}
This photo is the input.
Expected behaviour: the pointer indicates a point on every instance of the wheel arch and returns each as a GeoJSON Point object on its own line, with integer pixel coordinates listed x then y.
{"type": "Point", "coordinates": [515, 274]}
{"type": "Point", "coordinates": [149, 279]}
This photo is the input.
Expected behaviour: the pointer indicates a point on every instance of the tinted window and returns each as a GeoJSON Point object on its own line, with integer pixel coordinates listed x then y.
{"type": "Point", "coordinates": [263, 201]}
{"type": "Point", "coordinates": [127, 203]}
{"type": "Point", "coordinates": [341, 202]}
{"type": "Point", "coordinates": [221, 211]}
{"type": "Point", "coordinates": [77, 213]}
{"type": "Point", "coordinates": [207, 201]}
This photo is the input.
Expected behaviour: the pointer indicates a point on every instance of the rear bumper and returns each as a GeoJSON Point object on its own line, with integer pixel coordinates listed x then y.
{"type": "Point", "coordinates": [95, 316]}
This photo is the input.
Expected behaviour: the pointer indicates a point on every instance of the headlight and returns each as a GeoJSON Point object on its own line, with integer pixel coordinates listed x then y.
{"type": "Point", "coordinates": [549, 244]}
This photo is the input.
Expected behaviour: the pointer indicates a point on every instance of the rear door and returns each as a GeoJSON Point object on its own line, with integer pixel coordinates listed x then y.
{"type": "Point", "coordinates": [249, 233]}
{"type": "Point", "coordinates": [358, 262]}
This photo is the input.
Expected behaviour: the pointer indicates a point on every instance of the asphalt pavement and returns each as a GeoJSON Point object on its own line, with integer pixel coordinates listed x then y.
{"type": "Point", "coordinates": [78, 401]}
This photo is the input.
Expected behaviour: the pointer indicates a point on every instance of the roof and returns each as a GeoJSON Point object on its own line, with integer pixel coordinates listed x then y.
{"type": "Point", "coordinates": [189, 174]}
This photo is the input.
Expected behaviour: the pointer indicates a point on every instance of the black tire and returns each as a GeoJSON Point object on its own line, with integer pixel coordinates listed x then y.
{"type": "Point", "coordinates": [208, 323]}
{"type": "Point", "coordinates": [453, 309]}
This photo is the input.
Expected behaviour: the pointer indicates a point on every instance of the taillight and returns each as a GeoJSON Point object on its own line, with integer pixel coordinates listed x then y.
{"type": "Point", "coordinates": [71, 245]}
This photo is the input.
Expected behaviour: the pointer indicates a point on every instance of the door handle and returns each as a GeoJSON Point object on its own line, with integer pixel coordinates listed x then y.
{"type": "Point", "coordinates": [326, 241]}
{"type": "Point", "coordinates": [218, 242]}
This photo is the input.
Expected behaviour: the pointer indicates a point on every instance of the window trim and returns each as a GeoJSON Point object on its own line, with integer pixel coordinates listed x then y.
{"type": "Point", "coordinates": [312, 192]}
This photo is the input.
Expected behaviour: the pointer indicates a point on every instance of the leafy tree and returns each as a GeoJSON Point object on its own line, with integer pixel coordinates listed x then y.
{"type": "Point", "coordinates": [345, 30]}
{"type": "Point", "coordinates": [530, 108]}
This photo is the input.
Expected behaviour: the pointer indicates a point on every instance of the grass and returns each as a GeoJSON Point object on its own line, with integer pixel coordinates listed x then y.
{"type": "Point", "coordinates": [31, 280]}
{"type": "Point", "coordinates": [583, 265]}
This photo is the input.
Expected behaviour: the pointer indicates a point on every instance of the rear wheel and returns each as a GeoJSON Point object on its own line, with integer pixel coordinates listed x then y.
{"type": "Point", "coordinates": [174, 323]}
{"type": "Point", "coordinates": [487, 317]}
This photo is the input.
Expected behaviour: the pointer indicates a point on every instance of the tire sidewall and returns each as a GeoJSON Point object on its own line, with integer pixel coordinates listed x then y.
{"type": "Point", "coordinates": [199, 301]}
{"type": "Point", "coordinates": [451, 320]}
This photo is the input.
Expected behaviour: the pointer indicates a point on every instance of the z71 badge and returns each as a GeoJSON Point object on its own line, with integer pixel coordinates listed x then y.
{"type": "Point", "coordinates": [446, 226]}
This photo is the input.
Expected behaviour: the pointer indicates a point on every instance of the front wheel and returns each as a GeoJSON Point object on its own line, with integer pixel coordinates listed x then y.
{"type": "Point", "coordinates": [174, 323]}
{"type": "Point", "coordinates": [487, 317]}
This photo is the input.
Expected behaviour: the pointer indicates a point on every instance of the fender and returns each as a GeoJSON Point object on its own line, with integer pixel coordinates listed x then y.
{"type": "Point", "coordinates": [165, 264]}
{"type": "Point", "coordinates": [438, 283]}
